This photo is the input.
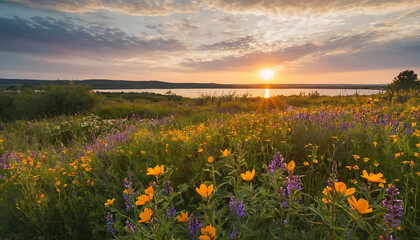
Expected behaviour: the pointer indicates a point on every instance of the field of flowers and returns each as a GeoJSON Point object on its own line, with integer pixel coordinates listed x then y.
{"type": "Point", "coordinates": [321, 172]}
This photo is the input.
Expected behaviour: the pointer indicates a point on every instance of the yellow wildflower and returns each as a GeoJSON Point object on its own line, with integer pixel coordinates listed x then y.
{"type": "Point", "coordinates": [210, 159]}
{"type": "Point", "coordinates": [306, 163]}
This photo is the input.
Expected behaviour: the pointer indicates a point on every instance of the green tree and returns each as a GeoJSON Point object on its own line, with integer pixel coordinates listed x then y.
{"type": "Point", "coordinates": [405, 80]}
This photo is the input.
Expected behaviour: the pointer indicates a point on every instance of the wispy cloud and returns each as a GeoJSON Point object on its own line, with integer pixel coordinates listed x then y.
{"type": "Point", "coordinates": [138, 7]}
{"type": "Point", "coordinates": [48, 36]}
{"type": "Point", "coordinates": [348, 53]}
{"type": "Point", "coordinates": [314, 6]}
{"type": "Point", "coordinates": [175, 37]}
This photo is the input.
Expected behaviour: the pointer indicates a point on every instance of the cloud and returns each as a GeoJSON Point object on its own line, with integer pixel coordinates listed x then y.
{"type": "Point", "coordinates": [239, 43]}
{"type": "Point", "coordinates": [314, 6]}
{"type": "Point", "coordinates": [168, 7]}
{"type": "Point", "coordinates": [137, 7]}
{"type": "Point", "coordinates": [48, 36]}
{"type": "Point", "coordinates": [397, 53]}
{"type": "Point", "coordinates": [362, 51]}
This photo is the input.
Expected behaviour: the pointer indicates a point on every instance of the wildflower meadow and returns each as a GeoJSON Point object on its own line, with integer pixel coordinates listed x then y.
{"type": "Point", "coordinates": [319, 171]}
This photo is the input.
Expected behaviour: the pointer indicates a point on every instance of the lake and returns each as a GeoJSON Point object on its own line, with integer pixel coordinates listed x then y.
{"type": "Point", "coordinates": [195, 93]}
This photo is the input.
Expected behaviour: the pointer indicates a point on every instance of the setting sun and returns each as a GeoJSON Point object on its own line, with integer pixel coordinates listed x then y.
{"type": "Point", "coordinates": [267, 73]}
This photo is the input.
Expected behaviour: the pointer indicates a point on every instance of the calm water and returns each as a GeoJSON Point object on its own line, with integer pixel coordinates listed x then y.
{"type": "Point", "coordinates": [194, 93]}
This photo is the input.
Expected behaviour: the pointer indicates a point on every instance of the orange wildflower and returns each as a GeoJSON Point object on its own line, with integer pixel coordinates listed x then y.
{"type": "Point", "coordinates": [209, 233]}
{"type": "Point", "coordinates": [143, 199]}
{"type": "Point", "coordinates": [145, 215]}
{"type": "Point", "coordinates": [183, 217]}
{"type": "Point", "coordinates": [204, 190]}
{"type": "Point", "coordinates": [156, 171]}
{"type": "Point", "coordinates": [361, 206]}
{"type": "Point", "coordinates": [225, 153]}
{"type": "Point", "coordinates": [290, 167]}
{"type": "Point", "coordinates": [109, 202]}
{"type": "Point", "coordinates": [149, 192]}
{"type": "Point", "coordinates": [248, 176]}
{"type": "Point", "coordinates": [341, 187]}
{"type": "Point", "coordinates": [373, 177]}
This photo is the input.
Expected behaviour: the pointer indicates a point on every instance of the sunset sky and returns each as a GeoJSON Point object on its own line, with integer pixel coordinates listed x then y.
{"type": "Point", "coordinates": [221, 41]}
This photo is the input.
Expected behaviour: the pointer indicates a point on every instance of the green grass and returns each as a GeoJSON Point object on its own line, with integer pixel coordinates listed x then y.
{"type": "Point", "coordinates": [80, 161]}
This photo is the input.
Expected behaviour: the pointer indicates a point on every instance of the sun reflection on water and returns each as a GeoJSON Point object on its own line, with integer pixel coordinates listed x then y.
{"type": "Point", "coordinates": [267, 93]}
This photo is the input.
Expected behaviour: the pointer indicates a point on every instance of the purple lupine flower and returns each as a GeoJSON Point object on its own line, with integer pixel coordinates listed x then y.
{"type": "Point", "coordinates": [128, 192]}
{"type": "Point", "coordinates": [171, 212]}
{"type": "Point", "coordinates": [129, 226]}
{"type": "Point", "coordinates": [394, 206]}
{"type": "Point", "coordinates": [233, 235]}
{"type": "Point", "coordinates": [240, 209]}
{"type": "Point", "coordinates": [167, 187]}
{"type": "Point", "coordinates": [237, 206]}
{"type": "Point", "coordinates": [277, 162]}
{"type": "Point", "coordinates": [194, 226]}
{"type": "Point", "coordinates": [127, 183]}
{"type": "Point", "coordinates": [132, 177]}
{"type": "Point", "coordinates": [232, 203]}
{"type": "Point", "coordinates": [111, 225]}
{"type": "Point", "coordinates": [293, 182]}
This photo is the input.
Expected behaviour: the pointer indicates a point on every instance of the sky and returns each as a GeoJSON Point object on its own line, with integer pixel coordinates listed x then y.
{"type": "Point", "coordinates": [219, 41]}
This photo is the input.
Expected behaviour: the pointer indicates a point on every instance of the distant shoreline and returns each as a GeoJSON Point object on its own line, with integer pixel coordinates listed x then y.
{"type": "Point", "coordinates": [124, 84]}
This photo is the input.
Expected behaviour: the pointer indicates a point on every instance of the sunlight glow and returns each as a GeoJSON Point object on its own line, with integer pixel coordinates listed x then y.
{"type": "Point", "coordinates": [267, 73]}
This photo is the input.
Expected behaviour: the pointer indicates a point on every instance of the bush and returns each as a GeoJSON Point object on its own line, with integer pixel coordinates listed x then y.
{"type": "Point", "coordinates": [51, 100]}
